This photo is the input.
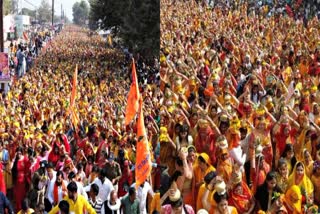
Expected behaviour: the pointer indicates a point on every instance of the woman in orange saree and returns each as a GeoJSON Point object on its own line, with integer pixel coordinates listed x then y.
{"type": "Point", "coordinates": [203, 166]}
{"type": "Point", "coordinates": [293, 200]}
{"type": "Point", "coordinates": [188, 188]}
{"type": "Point", "coordinates": [240, 195]}
{"type": "Point", "coordinates": [167, 150]}
{"type": "Point", "coordinates": [224, 165]}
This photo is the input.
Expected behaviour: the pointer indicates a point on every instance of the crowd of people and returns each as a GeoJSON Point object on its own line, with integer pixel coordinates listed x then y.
{"type": "Point", "coordinates": [23, 52]}
{"type": "Point", "coordinates": [51, 163]}
{"type": "Point", "coordinates": [239, 115]}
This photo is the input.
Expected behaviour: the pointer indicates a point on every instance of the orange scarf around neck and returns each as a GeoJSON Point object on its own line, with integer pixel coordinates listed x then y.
{"type": "Point", "coordinates": [56, 194]}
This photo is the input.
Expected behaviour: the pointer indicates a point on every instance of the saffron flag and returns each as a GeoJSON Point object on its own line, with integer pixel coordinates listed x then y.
{"type": "Point", "coordinates": [109, 40]}
{"type": "Point", "coordinates": [74, 88]}
{"type": "Point", "coordinates": [143, 160]}
{"type": "Point", "coordinates": [25, 36]}
{"type": "Point", "coordinates": [74, 116]}
{"type": "Point", "coordinates": [133, 97]}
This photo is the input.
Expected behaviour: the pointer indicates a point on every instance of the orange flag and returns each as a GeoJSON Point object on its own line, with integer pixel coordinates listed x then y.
{"type": "Point", "coordinates": [109, 40]}
{"type": "Point", "coordinates": [25, 36]}
{"type": "Point", "coordinates": [74, 88]}
{"type": "Point", "coordinates": [74, 116]}
{"type": "Point", "coordinates": [133, 97]}
{"type": "Point", "coordinates": [143, 160]}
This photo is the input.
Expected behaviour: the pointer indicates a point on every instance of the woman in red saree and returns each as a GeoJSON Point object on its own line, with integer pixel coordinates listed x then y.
{"type": "Point", "coordinates": [259, 173]}
{"type": "Point", "coordinates": [2, 183]}
{"type": "Point", "coordinates": [240, 195]}
{"type": "Point", "coordinates": [284, 135]}
{"type": "Point", "coordinates": [204, 141]}
{"type": "Point", "coordinates": [54, 154]}
{"type": "Point", "coordinates": [20, 171]}
{"type": "Point", "coordinates": [125, 180]}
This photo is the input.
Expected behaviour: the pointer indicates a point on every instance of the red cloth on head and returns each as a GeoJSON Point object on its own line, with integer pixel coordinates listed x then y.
{"type": "Point", "coordinates": [206, 145]}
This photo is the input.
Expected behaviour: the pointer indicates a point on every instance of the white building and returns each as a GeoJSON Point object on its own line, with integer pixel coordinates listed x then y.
{"type": "Point", "coordinates": [15, 25]}
{"type": "Point", "coordinates": [22, 24]}
{"type": "Point", "coordinates": [8, 26]}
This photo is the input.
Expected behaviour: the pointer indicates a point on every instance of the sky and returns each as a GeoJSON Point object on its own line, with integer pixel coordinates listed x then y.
{"type": "Point", "coordinates": [66, 4]}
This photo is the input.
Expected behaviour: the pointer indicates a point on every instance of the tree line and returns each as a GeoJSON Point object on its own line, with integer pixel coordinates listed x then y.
{"type": "Point", "coordinates": [135, 22]}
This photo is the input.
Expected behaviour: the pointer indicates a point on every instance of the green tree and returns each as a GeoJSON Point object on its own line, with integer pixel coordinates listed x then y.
{"type": "Point", "coordinates": [80, 12]}
{"type": "Point", "coordinates": [141, 27]}
{"type": "Point", "coordinates": [110, 13]}
{"type": "Point", "coordinates": [28, 12]}
{"type": "Point", "coordinates": [14, 6]}
{"type": "Point", "coordinates": [135, 22]}
{"type": "Point", "coordinates": [7, 7]}
{"type": "Point", "coordinates": [44, 11]}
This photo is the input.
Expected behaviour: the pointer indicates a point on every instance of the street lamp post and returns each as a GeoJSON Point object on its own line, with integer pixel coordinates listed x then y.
{"type": "Point", "coordinates": [52, 12]}
{"type": "Point", "coordinates": [1, 26]}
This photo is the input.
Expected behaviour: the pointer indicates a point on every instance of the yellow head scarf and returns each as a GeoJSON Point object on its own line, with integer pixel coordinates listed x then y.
{"type": "Point", "coordinates": [205, 157]}
{"type": "Point", "coordinates": [305, 183]}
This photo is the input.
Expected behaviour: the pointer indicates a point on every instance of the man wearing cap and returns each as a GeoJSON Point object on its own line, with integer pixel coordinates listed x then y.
{"type": "Point", "coordinates": [113, 171]}
{"type": "Point", "coordinates": [77, 203]}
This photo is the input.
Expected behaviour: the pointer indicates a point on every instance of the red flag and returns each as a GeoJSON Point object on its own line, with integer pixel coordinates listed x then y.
{"type": "Point", "coordinates": [133, 97]}
{"type": "Point", "coordinates": [143, 160]}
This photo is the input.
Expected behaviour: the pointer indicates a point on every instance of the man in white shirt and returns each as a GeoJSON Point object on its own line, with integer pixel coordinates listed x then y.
{"type": "Point", "coordinates": [143, 192]}
{"type": "Point", "coordinates": [81, 190]}
{"type": "Point", "coordinates": [104, 184]}
{"type": "Point", "coordinates": [244, 142]}
{"type": "Point", "coordinates": [57, 189]}
{"type": "Point", "coordinates": [237, 154]}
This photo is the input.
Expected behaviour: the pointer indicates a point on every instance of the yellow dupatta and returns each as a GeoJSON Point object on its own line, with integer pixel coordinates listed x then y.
{"type": "Point", "coordinates": [305, 183]}
{"type": "Point", "coordinates": [198, 173]}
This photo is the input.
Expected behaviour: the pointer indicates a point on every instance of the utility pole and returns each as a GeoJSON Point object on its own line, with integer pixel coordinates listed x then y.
{"type": "Point", "coordinates": [61, 13]}
{"type": "Point", "coordinates": [1, 26]}
{"type": "Point", "coordinates": [52, 12]}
